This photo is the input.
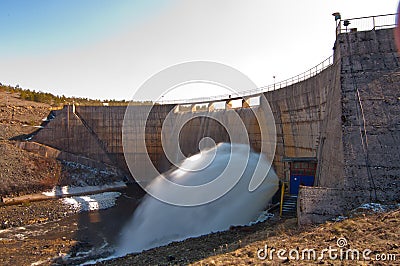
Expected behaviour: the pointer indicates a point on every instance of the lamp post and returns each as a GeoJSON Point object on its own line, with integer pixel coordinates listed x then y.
{"type": "Point", "coordinates": [274, 81]}
{"type": "Point", "coordinates": [338, 17]}
{"type": "Point", "coordinates": [346, 23]}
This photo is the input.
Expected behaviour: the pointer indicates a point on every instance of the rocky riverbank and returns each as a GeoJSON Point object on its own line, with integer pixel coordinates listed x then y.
{"type": "Point", "coordinates": [51, 233]}
{"type": "Point", "coordinates": [20, 248]}
{"type": "Point", "coordinates": [32, 213]}
{"type": "Point", "coordinates": [366, 229]}
{"type": "Point", "coordinates": [65, 231]}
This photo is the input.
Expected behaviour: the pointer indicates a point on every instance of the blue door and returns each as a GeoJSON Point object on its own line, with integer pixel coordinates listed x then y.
{"type": "Point", "coordinates": [301, 174]}
{"type": "Point", "coordinates": [297, 180]}
{"type": "Point", "coordinates": [294, 184]}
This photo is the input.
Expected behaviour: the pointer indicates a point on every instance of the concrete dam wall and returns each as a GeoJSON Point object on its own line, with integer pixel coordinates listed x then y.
{"type": "Point", "coordinates": [347, 116]}
{"type": "Point", "coordinates": [96, 131]}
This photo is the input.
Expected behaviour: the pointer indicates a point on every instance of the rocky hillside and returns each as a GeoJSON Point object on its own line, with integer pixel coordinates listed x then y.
{"type": "Point", "coordinates": [18, 117]}
{"type": "Point", "coordinates": [22, 172]}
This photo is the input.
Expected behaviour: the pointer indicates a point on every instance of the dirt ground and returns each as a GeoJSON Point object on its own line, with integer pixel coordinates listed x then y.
{"type": "Point", "coordinates": [22, 172]}
{"type": "Point", "coordinates": [21, 248]}
{"type": "Point", "coordinates": [32, 213]}
{"type": "Point", "coordinates": [18, 117]}
{"type": "Point", "coordinates": [24, 244]}
{"type": "Point", "coordinates": [240, 246]}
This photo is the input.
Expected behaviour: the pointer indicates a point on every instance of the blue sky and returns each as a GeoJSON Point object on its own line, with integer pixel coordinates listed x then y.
{"type": "Point", "coordinates": [107, 49]}
{"type": "Point", "coordinates": [38, 27]}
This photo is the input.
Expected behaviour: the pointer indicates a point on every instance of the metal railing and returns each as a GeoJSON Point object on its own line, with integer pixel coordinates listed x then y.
{"type": "Point", "coordinates": [287, 82]}
{"type": "Point", "coordinates": [343, 26]}
{"type": "Point", "coordinates": [301, 77]}
{"type": "Point", "coordinates": [366, 23]}
{"type": "Point", "coordinates": [282, 197]}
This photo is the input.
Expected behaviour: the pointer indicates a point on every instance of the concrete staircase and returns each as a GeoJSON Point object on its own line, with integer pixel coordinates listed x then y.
{"type": "Point", "coordinates": [289, 207]}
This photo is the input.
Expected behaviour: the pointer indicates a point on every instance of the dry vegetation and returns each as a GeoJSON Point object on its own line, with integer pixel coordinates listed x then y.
{"type": "Point", "coordinates": [377, 232]}
{"type": "Point", "coordinates": [22, 172]}
{"type": "Point", "coordinates": [59, 101]}
{"type": "Point", "coordinates": [18, 117]}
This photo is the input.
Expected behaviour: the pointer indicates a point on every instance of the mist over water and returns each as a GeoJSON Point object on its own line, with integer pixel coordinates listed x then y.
{"type": "Point", "coordinates": [156, 223]}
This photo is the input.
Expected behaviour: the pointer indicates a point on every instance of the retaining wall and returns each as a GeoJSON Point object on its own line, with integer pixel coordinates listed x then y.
{"type": "Point", "coordinates": [360, 152]}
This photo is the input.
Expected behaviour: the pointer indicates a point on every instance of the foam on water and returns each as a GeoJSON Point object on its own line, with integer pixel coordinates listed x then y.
{"type": "Point", "coordinates": [156, 223]}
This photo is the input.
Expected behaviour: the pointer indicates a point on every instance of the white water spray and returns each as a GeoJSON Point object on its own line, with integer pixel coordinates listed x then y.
{"type": "Point", "coordinates": [156, 223]}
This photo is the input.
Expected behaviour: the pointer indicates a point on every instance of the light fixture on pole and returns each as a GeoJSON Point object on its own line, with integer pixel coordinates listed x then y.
{"type": "Point", "coordinates": [346, 23]}
{"type": "Point", "coordinates": [274, 81]}
{"type": "Point", "coordinates": [338, 17]}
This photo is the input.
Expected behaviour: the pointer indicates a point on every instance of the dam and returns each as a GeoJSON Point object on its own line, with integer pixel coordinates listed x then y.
{"type": "Point", "coordinates": [343, 114]}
